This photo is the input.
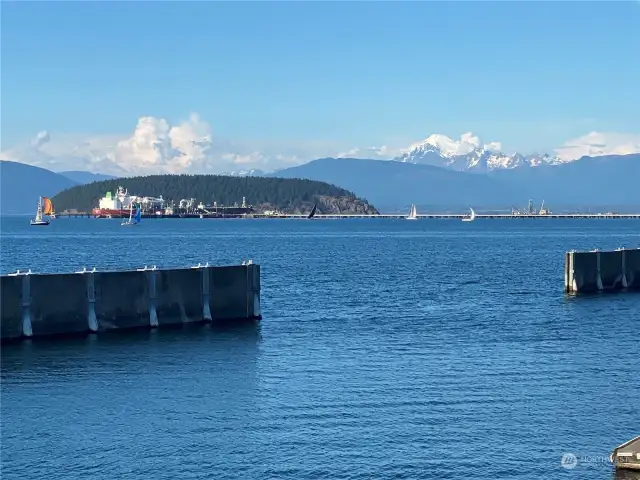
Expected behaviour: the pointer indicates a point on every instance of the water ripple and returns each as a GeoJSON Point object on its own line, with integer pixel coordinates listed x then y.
{"type": "Point", "coordinates": [388, 349]}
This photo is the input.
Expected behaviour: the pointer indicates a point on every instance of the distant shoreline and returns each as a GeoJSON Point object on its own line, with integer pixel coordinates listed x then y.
{"type": "Point", "coordinates": [389, 216]}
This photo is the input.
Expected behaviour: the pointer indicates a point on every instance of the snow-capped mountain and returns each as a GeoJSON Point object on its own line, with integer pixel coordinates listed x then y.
{"type": "Point", "coordinates": [469, 154]}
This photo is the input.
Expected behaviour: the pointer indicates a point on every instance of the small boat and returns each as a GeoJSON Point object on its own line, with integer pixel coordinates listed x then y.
{"type": "Point", "coordinates": [413, 215]}
{"type": "Point", "coordinates": [313, 211]}
{"type": "Point", "coordinates": [48, 208]}
{"type": "Point", "coordinates": [133, 219]}
{"type": "Point", "coordinates": [470, 218]}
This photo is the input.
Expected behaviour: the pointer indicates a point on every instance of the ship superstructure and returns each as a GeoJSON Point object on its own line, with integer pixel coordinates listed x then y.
{"type": "Point", "coordinates": [120, 204]}
{"type": "Point", "coordinates": [115, 205]}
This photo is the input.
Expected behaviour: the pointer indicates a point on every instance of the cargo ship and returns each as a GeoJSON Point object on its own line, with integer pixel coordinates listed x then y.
{"type": "Point", "coordinates": [119, 206]}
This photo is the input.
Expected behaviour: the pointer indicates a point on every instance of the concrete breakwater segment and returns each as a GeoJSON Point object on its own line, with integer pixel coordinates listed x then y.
{"type": "Point", "coordinates": [92, 301]}
{"type": "Point", "coordinates": [596, 271]}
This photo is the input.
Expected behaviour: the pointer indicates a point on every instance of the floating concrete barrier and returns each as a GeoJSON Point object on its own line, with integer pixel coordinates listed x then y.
{"type": "Point", "coordinates": [14, 323]}
{"type": "Point", "coordinates": [237, 292]}
{"type": "Point", "coordinates": [612, 270]}
{"type": "Point", "coordinates": [91, 301]}
{"type": "Point", "coordinates": [633, 268]}
{"type": "Point", "coordinates": [122, 300]}
{"type": "Point", "coordinates": [597, 271]}
{"type": "Point", "coordinates": [58, 303]}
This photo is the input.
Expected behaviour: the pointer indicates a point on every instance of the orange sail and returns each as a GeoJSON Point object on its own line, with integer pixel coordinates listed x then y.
{"type": "Point", "coordinates": [48, 206]}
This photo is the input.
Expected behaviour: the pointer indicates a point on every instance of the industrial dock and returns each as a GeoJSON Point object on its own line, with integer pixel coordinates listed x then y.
{"type": "Point", "coordinates": [121, 204]}
{"type": "Point", "coordinates": [452, 216]}
{"type": "Point", "coordinates": [397, 216]}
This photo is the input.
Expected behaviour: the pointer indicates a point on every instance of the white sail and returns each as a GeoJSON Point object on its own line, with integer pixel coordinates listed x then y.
{"type": "Point", "coordinates": [129, 222]}
{"type": "Point", "coordinates": [39, 220]}
{"type": "Point", "coordinates": [470, 218]}
{"type": "Point", "coordinates": [39, 210]}
{"type": "Point", "coordinates": [413, 213]}
{"type": "Point", "coordinates": [133, 219]}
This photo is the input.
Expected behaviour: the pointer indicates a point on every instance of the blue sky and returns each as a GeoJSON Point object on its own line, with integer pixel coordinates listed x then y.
{"type": "Point", "coordinates": [528, 74]}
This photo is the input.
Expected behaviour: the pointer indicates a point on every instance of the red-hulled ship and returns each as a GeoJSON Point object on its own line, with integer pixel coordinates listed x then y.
{"type": "Point", "coordinates": [118, 205]}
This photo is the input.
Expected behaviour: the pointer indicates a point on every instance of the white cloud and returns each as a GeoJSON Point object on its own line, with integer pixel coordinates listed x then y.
{"type": "Point", "coordinates": [156, 146]}
{"type": "Point", "coordinates": [493, 146]}
{"type": "Point", "coordinates": [40, 139]}
{"type": "Point", "coordinates": [253, 159]}
{"type": "Point", "coordinates": [599, 143]}
{"type": "Point", "coordinates": [371, 153]}
{"type": "Point", "coordinates": [354, 152]}
{"type": "Point", "coordinates": [469, 141]}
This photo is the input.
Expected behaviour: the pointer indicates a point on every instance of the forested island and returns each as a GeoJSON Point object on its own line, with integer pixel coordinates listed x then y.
{"type": "Point", "coordinates": [291, 196]}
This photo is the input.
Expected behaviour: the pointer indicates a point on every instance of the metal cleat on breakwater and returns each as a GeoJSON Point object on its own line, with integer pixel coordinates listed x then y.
{"type": "Point", "coordinates": [595, 271]}
{"type": "Point", "coordinates": [92, 301]}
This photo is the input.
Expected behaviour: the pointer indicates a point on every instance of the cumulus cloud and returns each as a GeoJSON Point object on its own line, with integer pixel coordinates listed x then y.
{"type": "Point", "coordinates": [599, 143]}
{"type": "Point", "coordinates": [354, 152]}
{"type": "Point", "coordinates": [493, 147]}
{"type": "Point", "coordinates": [469, 141]}
{"type": "Point", "coordinates": [157, 146]}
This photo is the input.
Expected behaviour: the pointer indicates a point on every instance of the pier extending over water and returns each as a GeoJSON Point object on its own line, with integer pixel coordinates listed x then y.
{"type": "Point", "coordinates": [345, 216]}
{"type": "Point", "coordinates": [455, 216]}
{"type": "Point", "coordinates": [91, 301]}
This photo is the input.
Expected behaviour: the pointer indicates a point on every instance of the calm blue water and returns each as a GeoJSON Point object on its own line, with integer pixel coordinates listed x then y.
{"type": "Point", "coordinates": [388, 349]}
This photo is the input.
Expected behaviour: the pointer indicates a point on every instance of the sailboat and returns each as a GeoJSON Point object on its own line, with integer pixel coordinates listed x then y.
{"type": "Point", "coordinates": [413, 213]}
{"type": "Point", "coordinates": [133, 219]}
{"type": "Point", "coordinates": [48, 209]}
{"type": "Point", "coordinates": [470, 218]}
{"type": "Point", "coordinates": [313, 211]}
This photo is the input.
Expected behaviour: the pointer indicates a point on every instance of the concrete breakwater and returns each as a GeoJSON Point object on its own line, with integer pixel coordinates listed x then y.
{"type": "Point", "coordinates": [595, 271]}
{"type": "Point", "coordinates": [33, 305]}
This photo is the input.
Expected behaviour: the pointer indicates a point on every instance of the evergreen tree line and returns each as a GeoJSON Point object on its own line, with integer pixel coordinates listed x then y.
{"type": "Point", "coordinates": [281, 193]}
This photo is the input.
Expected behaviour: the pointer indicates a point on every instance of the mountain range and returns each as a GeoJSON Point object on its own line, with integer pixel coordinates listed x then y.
{"type": "Point", "coordinates": [435, 174]}
{"type": "Point", "coordinates": [590, 181]}
{"type": "Point", "coordinates": [470, 155]}
{"type": "Point", "coordinates": [21, 185]}
{"type": "Point", "coordinates": [395, 184]}
{"type": "Point", "coordinates": [82, 178]}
